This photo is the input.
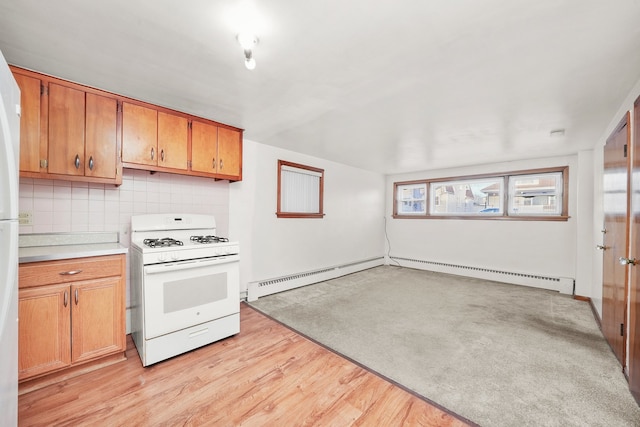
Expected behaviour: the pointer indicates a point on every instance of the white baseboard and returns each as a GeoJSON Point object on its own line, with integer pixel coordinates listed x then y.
{"type": "Point", "coordinates": [279, 284]}
{"type": "Point", "coordinates": [564, 285]}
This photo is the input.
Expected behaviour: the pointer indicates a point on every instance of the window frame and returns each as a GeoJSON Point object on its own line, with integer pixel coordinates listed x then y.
{"type": "Point", "coordinates": [287, 214]}
{"type": "Point", "coordinates": [505, 216]}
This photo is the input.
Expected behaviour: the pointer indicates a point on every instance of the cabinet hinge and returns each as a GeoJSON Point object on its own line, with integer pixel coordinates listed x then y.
{"type": "Point", "coordinates": [625, 150]}
{"type": "Point", "coordinates": [43, 89]}
{"type": "Point", "coordinates": [621, 329]}
{"type": "Point", "coordinates": [44, 163]}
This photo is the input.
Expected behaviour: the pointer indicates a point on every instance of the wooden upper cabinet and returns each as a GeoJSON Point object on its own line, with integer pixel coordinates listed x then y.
{"type": "Point", "coordinates": [229, 153]}
{"type": "Point", "coordinates": [101, 143]}
{"type": "Point", "coordinates": [139, 134]}
{"type": "Point", "coordinates": [204, 147]}
{"type": "Point", "coordinates": [66, 130]}
{"type": "Point", "coordinates": [173, 140]}
{"type": "Point", "coordinates": [216, 150]}
{"type": "Point", "coordinates": [30, 125]}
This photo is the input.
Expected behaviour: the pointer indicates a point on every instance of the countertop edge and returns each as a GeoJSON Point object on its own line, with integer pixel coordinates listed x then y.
{"type": "Point", "coordinates": [54, 253]}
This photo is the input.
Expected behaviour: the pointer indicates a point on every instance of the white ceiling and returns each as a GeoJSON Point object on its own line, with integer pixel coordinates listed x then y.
{"type": "Point", "coordinates": [387, 85]}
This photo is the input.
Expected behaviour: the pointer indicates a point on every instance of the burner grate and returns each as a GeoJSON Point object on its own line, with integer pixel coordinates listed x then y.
{"type": "Point", "coordinates": [209, 239]}
{"type": "Point", "coordinates": [162, 243]}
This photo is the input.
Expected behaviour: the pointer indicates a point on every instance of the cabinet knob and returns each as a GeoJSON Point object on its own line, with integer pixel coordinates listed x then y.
{"type": "Point", "coordinates": [77, 161]}
{"type": "Point", "coordinates": [153, 153]}
{"type": "Point", "coordinates": [213, 164]}
{"type": "Point", "coordinates": [76, 296]}
{"type": "Point", "coordinates": [91, 163]}
{"type": "Point", "coordinates": [162, 154]}
{"type": "Point", "coordinates": [66, 298]}
{"type": "Point", "coordinates": [220, 164]}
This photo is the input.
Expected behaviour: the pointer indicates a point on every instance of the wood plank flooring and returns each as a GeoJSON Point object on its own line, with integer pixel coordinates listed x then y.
{"type": "Point", "coordinates": [266, 375]}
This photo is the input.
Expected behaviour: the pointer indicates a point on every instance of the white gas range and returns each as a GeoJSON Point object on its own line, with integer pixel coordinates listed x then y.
{"type": "Point", "coordinates": [185, 284]}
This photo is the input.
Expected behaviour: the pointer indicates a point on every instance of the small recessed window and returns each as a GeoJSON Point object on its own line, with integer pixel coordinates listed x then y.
{"type": "Point", "coordinates": [300, 191]}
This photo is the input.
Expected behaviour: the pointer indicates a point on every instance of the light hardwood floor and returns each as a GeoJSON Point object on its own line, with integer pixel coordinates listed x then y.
{"type": "Point", "coordinates": [266, 375]}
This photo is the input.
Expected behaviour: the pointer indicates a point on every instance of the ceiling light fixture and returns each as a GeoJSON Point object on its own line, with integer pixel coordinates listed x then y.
{"type": "Point", "coordinates": [248, 41]}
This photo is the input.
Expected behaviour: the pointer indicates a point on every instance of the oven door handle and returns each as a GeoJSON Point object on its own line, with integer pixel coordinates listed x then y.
{"type": "Point", "coordinates": [185, 265]}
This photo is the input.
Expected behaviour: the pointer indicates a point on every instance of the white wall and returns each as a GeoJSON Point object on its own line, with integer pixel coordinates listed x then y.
{"type": "Point", "coordinates": [352, 229]}
{"type": "Point", "coordinates": [545, 248]}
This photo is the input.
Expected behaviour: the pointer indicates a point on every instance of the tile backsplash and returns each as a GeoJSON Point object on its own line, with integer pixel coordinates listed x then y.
{"type": "Point", "coordinates": [64, 206]}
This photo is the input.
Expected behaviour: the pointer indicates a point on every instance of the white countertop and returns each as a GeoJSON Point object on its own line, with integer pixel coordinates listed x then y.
{"type": "Point", "coordinates": [56, 246]}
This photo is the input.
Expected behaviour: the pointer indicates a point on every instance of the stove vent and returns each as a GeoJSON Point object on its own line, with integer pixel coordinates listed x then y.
{"type": "Point", "coordinates": [285, 283]}
{"type": "Point", "coordinates": [563, 285]}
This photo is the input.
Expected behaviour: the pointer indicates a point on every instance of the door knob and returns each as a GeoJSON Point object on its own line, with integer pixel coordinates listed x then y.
{"type": "Point", "coordinates": [627, 261]}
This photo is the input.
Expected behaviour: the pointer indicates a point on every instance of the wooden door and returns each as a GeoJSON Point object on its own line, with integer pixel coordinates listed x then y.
{"type": "Point", "coordinates": [204, 147]}
{"type": "Point", "coordinates": [229, 152]}
{"type": "Point", "coordinates": [139, 134]}
{"type": "Point", "coordinates": [30, 135]}
{"type": "Point", "coordinates": [173, 139]}
{"type": "Point", "coordinates": [634, 270]}
{"type": "Point", "coordinates": [616, 203]}
{"type": "Point", "coordinates": [101, 145]}
{"type": "Point", "coordinates": [97, 318]}
{"type": "Point", "coordinates": [44, 332]}
{"type": "Point", "coordinates": [66, 130]}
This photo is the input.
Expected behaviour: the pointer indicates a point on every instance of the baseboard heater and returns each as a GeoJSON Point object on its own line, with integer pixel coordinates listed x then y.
{"type": "Point", "coordinates": [563, 285]}
{"type": "Point", "coordinates": [284, 283]}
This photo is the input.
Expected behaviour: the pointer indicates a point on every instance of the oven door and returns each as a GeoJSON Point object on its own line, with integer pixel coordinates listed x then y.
{"type": "Point", "coordinates": [182, 294]}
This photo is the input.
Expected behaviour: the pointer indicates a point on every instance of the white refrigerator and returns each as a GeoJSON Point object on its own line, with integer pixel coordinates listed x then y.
{"type": "Point", "coordinates": [9, 161]}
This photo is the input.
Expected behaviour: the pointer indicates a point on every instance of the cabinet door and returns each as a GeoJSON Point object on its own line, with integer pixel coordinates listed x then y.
{"type": "Point", "coordinates": [97, 318]}
{"type": "Point", "coordinates": [101, 149]}
{"type": "Point", "coordinates": [66, 130]}
{"type": "Point", "coordinates": [229, 152]}
{"type": "Point", "coordinates": [173, 132]}
{"type": "Point", "coordinates": [30, 104]}
{"type": "Point", "coordinates": [139, 134]}
{"type": "Point", "coordinates": [44, 340]}
{"type": "Point", "coordinates": [204, 146]}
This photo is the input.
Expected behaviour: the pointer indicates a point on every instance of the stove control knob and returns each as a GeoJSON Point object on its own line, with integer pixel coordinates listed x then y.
{"type": "Point", "coordinates": [162, 257]}
{"type": "Point", "coordinates": [175, 256]}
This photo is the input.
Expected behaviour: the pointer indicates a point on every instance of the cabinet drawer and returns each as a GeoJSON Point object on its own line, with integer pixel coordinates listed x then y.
{"type": "Point", "coordinates": [72, 270]}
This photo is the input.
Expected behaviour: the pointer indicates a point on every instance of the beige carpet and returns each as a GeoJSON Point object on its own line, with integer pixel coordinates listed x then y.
{"type": "Point", "coordinates": [497, 354]}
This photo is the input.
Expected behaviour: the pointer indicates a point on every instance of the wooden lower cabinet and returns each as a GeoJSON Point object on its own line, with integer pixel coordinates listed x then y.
{"type": "Point", "coordinates": [63, 325]}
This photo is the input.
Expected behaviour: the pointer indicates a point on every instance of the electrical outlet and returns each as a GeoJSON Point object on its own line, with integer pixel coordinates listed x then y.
{"type": "Point", "coordinates": [25, 218]}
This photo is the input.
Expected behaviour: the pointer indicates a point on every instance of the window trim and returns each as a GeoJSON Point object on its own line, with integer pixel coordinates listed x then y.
{"type": "Point", "coordinates": [283, 214]}
{"type": "Point", "coordinates": [564, 215]}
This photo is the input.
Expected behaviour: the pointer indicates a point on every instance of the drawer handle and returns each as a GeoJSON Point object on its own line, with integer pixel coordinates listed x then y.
{"type": "Point", "coordinates": [70, 273]}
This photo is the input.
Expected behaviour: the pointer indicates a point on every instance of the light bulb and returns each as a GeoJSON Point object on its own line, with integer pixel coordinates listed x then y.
{"type": "Point", "coordinates": [250, 63]}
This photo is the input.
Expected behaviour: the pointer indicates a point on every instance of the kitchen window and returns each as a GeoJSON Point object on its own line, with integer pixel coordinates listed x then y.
{"type": "Point", "coordinates": [300, 191]}
{"type": "Point", "coordinates": [539, 194]}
